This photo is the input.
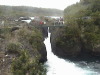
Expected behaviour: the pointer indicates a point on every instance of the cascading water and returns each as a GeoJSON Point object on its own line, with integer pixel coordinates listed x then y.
{"type": "Point", "coordinates": [58, 66]}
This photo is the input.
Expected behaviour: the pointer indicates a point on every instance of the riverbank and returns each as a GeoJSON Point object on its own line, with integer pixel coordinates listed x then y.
{"type": "Point", "coordinates": [21, 46]}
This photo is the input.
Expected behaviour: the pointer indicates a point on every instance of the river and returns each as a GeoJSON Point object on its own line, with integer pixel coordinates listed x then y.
{"type": "Point", "coordinates": [59, 66]}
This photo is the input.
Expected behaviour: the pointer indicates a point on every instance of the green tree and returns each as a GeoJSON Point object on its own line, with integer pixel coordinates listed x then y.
{"type": "Point", "coordinates": [26, 65]}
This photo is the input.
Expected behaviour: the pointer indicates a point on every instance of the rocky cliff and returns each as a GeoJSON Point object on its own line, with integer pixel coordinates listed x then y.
{"type": "Point", "coordinates": [16, 43]}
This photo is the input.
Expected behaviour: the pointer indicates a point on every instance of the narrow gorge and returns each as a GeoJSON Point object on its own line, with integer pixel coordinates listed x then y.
{"type": "Point", "coordinates": [59, 66]}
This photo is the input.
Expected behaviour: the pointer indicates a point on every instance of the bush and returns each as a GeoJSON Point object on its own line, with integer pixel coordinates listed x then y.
{"type": "Point", "coordinates": [13, 47]}
{"type": "Point", "coordinates": [86, 17]}
{"type": "Point", "coordinates": [69, 38]}
{"type": "Point", "coordinates": [26, 65]}
{"type": "Point", "coordinates": [33, 37]}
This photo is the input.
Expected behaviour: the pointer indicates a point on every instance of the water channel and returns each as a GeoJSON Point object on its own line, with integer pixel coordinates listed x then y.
{"type": "Point", "coordinates": [59, 66]}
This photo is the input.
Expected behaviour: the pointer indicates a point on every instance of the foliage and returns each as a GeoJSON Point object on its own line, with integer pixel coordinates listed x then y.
{"type": "Point", "coordinates": [22, 47]}
{"type": "Point", "coordinates": [69, 38]}
{"type": "Point", "coordinates": [83, 18]}
{"type": "Point", "coordinates": [33, 37]}
{"type": "Point", "coordinates": [25, 65]}
{"type": "Point", "coordinates": [13, 47]}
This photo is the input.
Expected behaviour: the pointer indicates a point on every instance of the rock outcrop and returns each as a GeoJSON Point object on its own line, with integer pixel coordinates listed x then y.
{"type": "Point", "coordinates": [43, 53]}
{"type": "Point", "coordinates": [60, 48]}
{"type": "Point", "coordinates": [72, 47]}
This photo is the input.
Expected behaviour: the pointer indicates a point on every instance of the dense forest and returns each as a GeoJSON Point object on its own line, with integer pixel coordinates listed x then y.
{"type": "Point", "coordinates": [17, 11]}
{"type": "Point", "coordinates": [82, 34]}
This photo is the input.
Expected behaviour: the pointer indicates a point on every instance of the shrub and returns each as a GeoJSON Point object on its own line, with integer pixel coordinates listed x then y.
{"type": "Point", "coordinates": [13, 47]}
{"type": "Point", "coordinates": [25, 64]}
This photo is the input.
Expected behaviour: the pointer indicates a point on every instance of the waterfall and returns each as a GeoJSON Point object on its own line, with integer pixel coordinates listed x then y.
{"type": "Point", "coordinates": [58, 66]}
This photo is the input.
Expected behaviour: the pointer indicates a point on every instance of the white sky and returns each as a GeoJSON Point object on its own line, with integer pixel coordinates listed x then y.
{"type": "Point", "coordinates": [58, 4]}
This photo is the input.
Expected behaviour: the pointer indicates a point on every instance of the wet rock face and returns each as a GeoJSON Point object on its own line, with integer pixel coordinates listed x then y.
{"type": "Point", "coordinates": [60, 48]}
{"type": "Point", "coordinates": [45, 31]}
{"type": "Point", "coordinates": [66, 52]}
{"type": "Point", "coordinates": [43, 53]}
{"type": "Point", "coordinates": [77, 51]}
{"type": "Point", "coordinates": [63, 50]}
{"type": "Point", "coordinates": [96, 51]}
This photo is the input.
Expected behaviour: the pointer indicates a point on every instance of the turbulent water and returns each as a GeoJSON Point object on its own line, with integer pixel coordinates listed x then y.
{"type": "Point", "coordinates": [58, 66]}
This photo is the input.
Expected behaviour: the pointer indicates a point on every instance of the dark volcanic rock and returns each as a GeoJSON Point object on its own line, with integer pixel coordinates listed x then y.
{"type": "Point", "coordinates": [62, 50]}
{"type": "Point", "coordinates": [43, 53]}
{"type": "Point", "coordinates": [66, 52]}
{"type": "Point", "coordinates": [96, 51]}
{"type": "Point", "coordinates": [45, 31]}
{"type": "Point", "coordinates": [77, 51]}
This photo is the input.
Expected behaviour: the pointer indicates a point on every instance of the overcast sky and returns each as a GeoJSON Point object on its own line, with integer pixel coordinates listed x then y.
{"type": "Point", "coordinates": [58, 4]}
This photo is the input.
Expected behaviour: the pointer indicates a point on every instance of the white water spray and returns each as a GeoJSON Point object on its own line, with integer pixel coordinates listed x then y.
{"type": "Point", "coordinates": [58, 66]}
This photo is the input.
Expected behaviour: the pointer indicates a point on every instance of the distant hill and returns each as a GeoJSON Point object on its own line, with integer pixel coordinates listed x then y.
{"type": "Point", "coordinates": [28, 11]}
